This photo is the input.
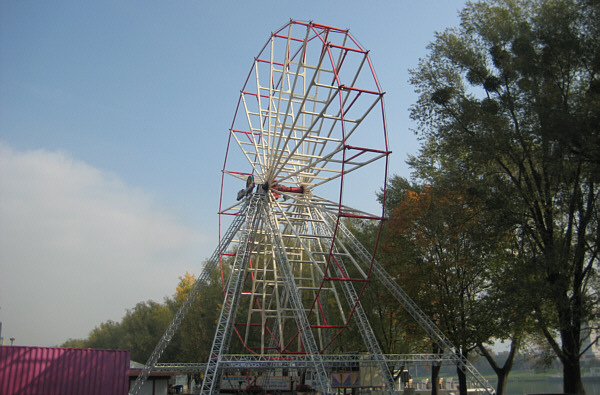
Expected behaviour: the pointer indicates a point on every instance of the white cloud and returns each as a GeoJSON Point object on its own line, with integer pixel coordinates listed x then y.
{"type": "Point", "coordinates": [78, 247]}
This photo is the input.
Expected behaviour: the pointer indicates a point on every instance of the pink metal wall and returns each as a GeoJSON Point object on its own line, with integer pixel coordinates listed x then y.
{"type": "Point", "coordinates": [63, 371]}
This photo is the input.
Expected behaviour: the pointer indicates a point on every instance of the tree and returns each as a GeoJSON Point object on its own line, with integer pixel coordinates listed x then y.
{"type": "Point", "coordinates": [143, 326]}
{"type": "Point", "coordinates": [444, 257]}
{"type": "Point", "coordinates": [506, 309]}
{"type": "Point", "coordinates": [512, 99]}
{"type": "Point", "coordinates": [107, 335]}
{"type": "Point", "coordinates": [74, 343]}
{"type": "Point", "coordinates": [386, 316]}
{"type": "Point", "coordinates": [195, 335]}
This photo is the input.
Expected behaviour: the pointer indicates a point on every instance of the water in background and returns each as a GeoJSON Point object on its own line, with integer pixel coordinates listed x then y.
{"type": "Point", "coordinates": [523, 386]}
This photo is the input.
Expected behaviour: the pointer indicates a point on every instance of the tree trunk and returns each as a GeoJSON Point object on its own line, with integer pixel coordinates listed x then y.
{"type": "Point", "coordinates": [568, 354]}
{"type": "Point", "coordinates": [572, 383]}
{"type": "Point", "coordinates": [462, 381]}
{"type": "Point", "coordinates": [570, 334]}
{"type": "Point", "coordinates": [502, 381]}
{"type": "Point", "coordinates": [502, 372]}
{"type": "Point", "coordinates": [435, 378]}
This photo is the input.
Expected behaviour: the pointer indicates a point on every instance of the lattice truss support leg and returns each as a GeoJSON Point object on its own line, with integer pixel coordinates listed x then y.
{"type": "Point", "coordinates": [220, 346]}
{"type": "Point", "coordinates": [341, 254]}
{"type": "Point", "coordinates": [202, 280]}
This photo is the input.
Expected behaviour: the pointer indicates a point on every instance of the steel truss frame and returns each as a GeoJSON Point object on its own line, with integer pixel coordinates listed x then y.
{"type": "Point", "coordinates": [331, 361]}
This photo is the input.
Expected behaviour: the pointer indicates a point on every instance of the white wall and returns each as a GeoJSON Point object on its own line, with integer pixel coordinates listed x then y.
{"type": "Point", "coordinates": [160, 385]}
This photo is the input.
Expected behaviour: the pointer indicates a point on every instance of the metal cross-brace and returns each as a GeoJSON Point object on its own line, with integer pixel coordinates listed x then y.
{"type": "Point", "coordinates": [422, 319]}
{"type": "Point", "coordinates": [202, 280]}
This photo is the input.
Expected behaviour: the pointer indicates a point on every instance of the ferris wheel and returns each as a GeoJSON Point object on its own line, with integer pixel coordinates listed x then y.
{"type": "Point", "coordinates": [307, 150]}
{"type": "Point", "coordinates": [298, 150]}
{"type": "Point", "coordinates": [297, 140]}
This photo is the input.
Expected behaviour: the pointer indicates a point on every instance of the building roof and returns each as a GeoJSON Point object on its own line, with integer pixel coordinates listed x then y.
{"type": "Point", "coordinates": [63, 371]}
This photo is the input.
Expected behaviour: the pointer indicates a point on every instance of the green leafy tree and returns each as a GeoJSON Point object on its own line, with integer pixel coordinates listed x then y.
{"type": "Point", "coordinates": [443, 255]}
{"type": "Point", "coordinates": [511, 98]}
{"type": "Point", "coordinates": [74, 343]}
{"type": "Point", "coordinates": [198, 328]}
{"type": "Point", "coordinates": [495, 313]}
{"type": "Point", "coordinates": [385, 315]}
{"type": "Point", "coordinates": [142, 328]}
{"type": "Point", "coordinates": [107, 335]}
{"type": "Point", "coordinates": [505, 310]}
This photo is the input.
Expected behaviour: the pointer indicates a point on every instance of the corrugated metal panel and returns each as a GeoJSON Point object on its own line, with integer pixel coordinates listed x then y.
{"type": "Point", "coordinates": [63, 371]}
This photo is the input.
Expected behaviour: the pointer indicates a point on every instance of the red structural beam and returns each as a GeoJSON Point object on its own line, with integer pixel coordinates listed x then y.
{"type": "Point", "coordinates": [249, 135]}
{"type": "Point", "coordinates": [255, 94]}
{"type": "Point", "coordinates": [358, 50]}
{"type": "Point", "coordinates": [287, 37]}
{"type": "Point", "coordinates": [283, 188]}
{"type": "Point", "coordinates": [328, 326]}
{"type": "Point", "coordinates": [367, 149]}
{"type": "Point", "coordinates": [228, 213]}
{"type": "Point", "coordinates": [360, 280]}
{"type": "Point", "coordinates": [348, 215]}
{"type": "Point", "coordinates": [269, 61]}
{"type": "Point", "coordinates": [238, 172]}
{"type": "Point", "coordinates": [352, 88]}
{"type": "Point", "coordinates": [321, 26]}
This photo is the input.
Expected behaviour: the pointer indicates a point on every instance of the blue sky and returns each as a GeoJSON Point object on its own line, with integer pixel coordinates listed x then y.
{"type": "Point", "coordinates": [113, 125]}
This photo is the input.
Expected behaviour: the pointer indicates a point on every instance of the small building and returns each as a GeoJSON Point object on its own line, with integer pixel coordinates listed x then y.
{"type": "Point", "coordinates": [63, 371]}
{"type": "Point", "coordinates": [157, 383]}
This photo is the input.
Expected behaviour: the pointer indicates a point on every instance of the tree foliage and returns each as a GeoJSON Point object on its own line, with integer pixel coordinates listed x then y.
{"type": "Point", "coordinates": [197, 330]}
{"type": "Point", "coordinates": [386, 316]}
{"type": "Point", "coordinates": [440, 249]}
{"type": "Point", "coordinates": [510, 101]}
{"type": "Point", "coordinates": [142, 327]}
